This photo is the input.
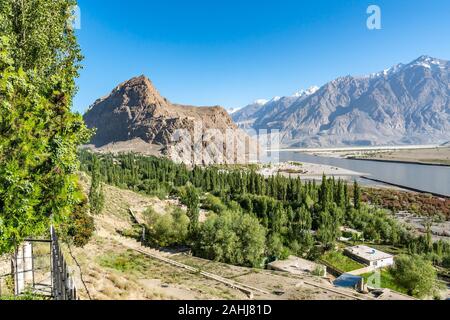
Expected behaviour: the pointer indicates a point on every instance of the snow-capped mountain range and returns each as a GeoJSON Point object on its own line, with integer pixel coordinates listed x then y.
{"type": "Point", "coordinates": [405, 104]}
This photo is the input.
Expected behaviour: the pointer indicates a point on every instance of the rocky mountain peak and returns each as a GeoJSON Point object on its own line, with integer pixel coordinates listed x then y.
{"type": "Point", "coordinates": [135, 110]}
{"type": "Point", "coordinates": [304, 93]}
{"type": "Point", "coordinates": [140, 91]}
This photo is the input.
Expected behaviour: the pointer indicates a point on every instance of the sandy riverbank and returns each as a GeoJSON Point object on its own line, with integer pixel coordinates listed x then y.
{"type": "Point", "coordinates": [436, 156]}
{"type": "Point", "coordinates": [421, 154]}
{"type": "Point", "coordinates": [357, 149]}
{"type": "Point", "coordinates": [308, 171]}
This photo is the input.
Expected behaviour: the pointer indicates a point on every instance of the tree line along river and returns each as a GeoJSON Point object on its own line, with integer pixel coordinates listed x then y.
{"type": "Point", "coordinates": [427, 178]}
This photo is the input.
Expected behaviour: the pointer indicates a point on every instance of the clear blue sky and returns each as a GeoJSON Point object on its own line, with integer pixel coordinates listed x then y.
{"type": "Point", "coordinates": [230, 52]}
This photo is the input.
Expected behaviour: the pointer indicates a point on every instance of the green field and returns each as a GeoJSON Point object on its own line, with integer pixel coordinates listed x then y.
{"type": "Point", "coordinates": [341, 262]}
{"type": "Point", "coordinates": [386, 281]}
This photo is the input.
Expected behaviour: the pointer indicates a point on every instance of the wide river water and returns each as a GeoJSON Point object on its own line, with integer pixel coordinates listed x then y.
{"type": "Point", "coordinates": [434, 179]}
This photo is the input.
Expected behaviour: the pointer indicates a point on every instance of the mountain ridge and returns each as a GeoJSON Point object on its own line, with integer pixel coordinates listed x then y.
{"type": "Point", "coordinates": [405, 104]}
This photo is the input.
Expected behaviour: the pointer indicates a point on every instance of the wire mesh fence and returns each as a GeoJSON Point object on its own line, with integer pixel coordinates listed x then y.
{"type": "Point", "coordinates": [37, 267]}
{"type": "Point", "coordinates": [27, 270]}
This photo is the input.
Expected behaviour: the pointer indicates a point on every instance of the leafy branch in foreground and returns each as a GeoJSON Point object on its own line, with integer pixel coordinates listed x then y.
{"type": "Point", "coordinates": [39, 135]}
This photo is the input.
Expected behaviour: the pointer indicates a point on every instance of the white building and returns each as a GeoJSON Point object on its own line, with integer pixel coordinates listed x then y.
{"type": "Point", "coordinates": [369, 256]}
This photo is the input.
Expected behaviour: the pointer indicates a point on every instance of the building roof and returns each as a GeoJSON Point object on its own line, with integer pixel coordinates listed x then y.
{"type": "Point", "coordinates": [295, 265]}
{"type": "Point", "coordinates": [347, 281]}
{"type": "Point", "coordinates": [368, 254]}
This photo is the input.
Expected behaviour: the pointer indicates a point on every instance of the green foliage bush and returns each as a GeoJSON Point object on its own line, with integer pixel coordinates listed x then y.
{"type": "Point", "coordinates": [190, 197]}
{"type": "Point", "coordinates": [297, 217]}
{"type": "Point", "coordinates": [81, 226]}
{"type": "Point", "coordinates": [213, 203]}
{"type": "Point", "coordinates": [232, 237]}
{"type": "Point", "coordinates": [415, 274]}
{"type": "Point", "coordinates": [276, 249]}
{"type": "Point", "coordinates": [96, 195]}
{"type": "Point", "coordinates": [39, 135]}
{"type": "Point", "coordinates": [170, 229]}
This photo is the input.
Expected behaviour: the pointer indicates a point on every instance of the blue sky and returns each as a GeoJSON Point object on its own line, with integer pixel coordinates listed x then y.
{"type": "Point", "coordinates": [230, 53]}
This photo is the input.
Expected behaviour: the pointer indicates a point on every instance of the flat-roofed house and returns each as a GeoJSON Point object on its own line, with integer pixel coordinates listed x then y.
{"type": "Point", "coordinates": [369, 256]}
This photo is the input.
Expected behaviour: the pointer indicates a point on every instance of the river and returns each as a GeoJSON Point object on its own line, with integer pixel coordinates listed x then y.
{"type": "Point", "coordinates": [434, 179]}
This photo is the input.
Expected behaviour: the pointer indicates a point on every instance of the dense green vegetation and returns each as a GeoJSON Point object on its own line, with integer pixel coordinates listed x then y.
{"type": "Point", "coordinates": [411, 274]}
{"type": "Point", "coordinates": [96, 196]}
{"type": "Point", "coordinates": [167, 230]}
{"type": "Point", "coordinates": [291, 216]}
{"type": "Point", "coordinates": [79, 229]}
{"type": "Point", "coordinates": [39, 135]}
{"type": "Point", "coordinates": [387, 280]}
{"type": "Point", "coordinates": [416, 274]}
{"type": "Point", "coordinates": [232, 238]}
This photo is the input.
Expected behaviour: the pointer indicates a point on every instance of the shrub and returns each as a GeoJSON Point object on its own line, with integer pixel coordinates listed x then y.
{"type": "Point", "coordinates": [233, 238]}
{"type": "Point", "coordinates": [81, 225]}
{"type": "Point", "coordinates": [446, 262]}
{"type": "Point", "coordinates": [319, 271]}
{"type": "Point", "coordinates": [169, 229]}
{"type": "Point", "coordinates": [416, 274]}
{"type": "Point", "coordinates": [214, 204]}
{"type": "Point", "coordinates": [275, 248]}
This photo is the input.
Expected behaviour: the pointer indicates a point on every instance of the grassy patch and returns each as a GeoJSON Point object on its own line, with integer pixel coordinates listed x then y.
{"type": "Point", "coordinates": [124, 262]}
{"type": "Point", "coordinates": [341, 262]}
{"type": "Point", "coordinates": [387, 281]}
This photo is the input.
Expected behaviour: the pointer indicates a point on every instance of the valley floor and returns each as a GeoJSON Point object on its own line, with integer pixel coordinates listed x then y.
{"type": "Point", "coordinates": [431, 154]}
{"type": "Point", "coordinates": [434, 156]}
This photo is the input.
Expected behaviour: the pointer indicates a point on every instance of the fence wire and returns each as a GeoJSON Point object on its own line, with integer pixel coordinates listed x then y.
{"type": "Point", "coordinates": [37, 267]}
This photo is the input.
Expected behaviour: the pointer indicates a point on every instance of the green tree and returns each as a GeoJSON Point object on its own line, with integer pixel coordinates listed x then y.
{"type": "Point", "coordinates": [275, 247]}
{"type": "Point", "coordinates": [214, 204]}
{"type": "Point", "coordinates": [329, 229]}
{"type": "Point", "coordinates": [44, 45]}
{"type": "Point", "coordinates": [191, 198]}
{"type": "Point", "coordinates": [301, 230]}
{"type": "Point", "coordinates": [39, 135]}
{"type": "Point", "coordinates": [96, 195]}
{"type": "Point", "coordinates": [356, 196]}
{"type": "Point", "coordinates": [38, 143]}
{"type": "Point", "coordinates": [233, 238]}
{"type": "Point", "coordinates": [169, 229]}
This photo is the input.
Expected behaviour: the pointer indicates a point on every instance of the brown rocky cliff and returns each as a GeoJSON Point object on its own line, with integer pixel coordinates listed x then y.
{"type": "Point", "coordinates": [136, 110]}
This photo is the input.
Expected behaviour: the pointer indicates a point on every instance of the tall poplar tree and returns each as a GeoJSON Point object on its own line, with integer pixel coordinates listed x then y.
{"type": "Point", "coordinates": [39, 134]}
{"type": "Point", "coordinates": [356, 195]}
